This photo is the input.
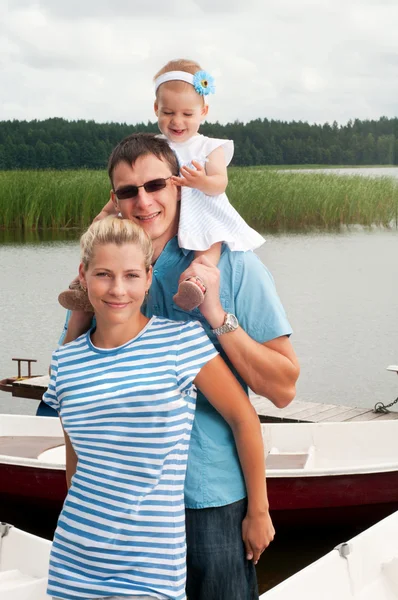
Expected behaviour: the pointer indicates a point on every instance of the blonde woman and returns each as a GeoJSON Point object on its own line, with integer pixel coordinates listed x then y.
{"type": "Point", "coordinates": [125, 392]}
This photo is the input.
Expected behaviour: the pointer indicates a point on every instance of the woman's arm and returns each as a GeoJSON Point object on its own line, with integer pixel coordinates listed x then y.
{"type": "Point", "coordinates": [79, 322]}
{"type": "Point", "coordinates": [108, 209]}
{"type": "Point", "coordinates": [223, 391]}
{"type": "Point", "coordinates": [71, 459]}
{"type": "Point", "coordinates": [212, 180]}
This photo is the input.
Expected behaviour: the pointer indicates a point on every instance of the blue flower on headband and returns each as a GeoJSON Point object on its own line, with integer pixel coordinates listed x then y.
{"type": "Point", "coordinates": [203, 83]}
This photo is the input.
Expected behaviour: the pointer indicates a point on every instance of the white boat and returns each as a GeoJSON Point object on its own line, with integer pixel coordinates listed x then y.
{"type": "Point", "coordinates": [316, 472]}
{"type": "Point", "coordinates": [23, 565]}
{"type": "Point", "coordinates": [32, 464]}
{"type": "Point", "coordinates": [321, 473]}
{"type": "Point", "coordinates": [364, 568]}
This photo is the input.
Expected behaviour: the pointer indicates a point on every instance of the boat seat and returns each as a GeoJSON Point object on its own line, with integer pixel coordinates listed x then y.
{"type": "Point", "coordinates": [289, 460]}
{"type": "Point", "coordinates": [13, 575]}
{"type": "Point", "coordinates": [286, 461]}
{"type": "Point", "coordinates": [15, 585]}
{"type": "Point", "coordinates": [390, 572]}
{"type": "Point", "coordinates": [28, 446]}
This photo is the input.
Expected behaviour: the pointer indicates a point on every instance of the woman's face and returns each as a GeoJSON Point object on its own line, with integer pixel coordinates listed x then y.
{"type": "Point", "coordinates": [116, 282]}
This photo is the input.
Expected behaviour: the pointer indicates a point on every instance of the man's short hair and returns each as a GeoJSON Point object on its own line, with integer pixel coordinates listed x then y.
{"type": "Point", "coordinates": [142, 144]}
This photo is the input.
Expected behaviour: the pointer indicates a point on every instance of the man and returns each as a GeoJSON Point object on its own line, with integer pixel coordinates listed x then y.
{"type": "Point", "coordinates": [243, 316]}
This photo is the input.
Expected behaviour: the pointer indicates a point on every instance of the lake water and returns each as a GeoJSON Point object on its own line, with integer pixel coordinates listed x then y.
{"type": "Point", "coordinates": [340, 291]}
{"type": "Point", "coordinates": [368, 172]}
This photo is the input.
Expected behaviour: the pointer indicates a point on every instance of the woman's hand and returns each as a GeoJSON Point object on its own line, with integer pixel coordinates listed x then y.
{"type": "Point", "coordinates": [257, 533]}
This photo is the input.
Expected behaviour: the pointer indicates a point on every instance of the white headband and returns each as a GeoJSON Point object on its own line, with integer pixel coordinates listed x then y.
{"type": "Point", "coordinates": [173, 76]}
{"type": "Point", "coordinates": [202, 81]}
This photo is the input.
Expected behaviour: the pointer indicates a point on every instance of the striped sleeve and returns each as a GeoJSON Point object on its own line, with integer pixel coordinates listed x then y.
{"type": "Point", "coordinates": [193, 352]}
{"type": "Point", "coordinates": [50, 396]}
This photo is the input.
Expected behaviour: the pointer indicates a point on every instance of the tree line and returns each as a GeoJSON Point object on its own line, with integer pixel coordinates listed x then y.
{"type": "Point", "coordinates": [61, 144]}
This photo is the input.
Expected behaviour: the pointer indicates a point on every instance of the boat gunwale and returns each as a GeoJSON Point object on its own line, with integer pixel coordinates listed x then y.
{"type": "Point", "coordinates": [322, 472]}
{"type": "Point", "coordinates": [30, 462]}
{"type": "Point", "coordinates": [270, 473]}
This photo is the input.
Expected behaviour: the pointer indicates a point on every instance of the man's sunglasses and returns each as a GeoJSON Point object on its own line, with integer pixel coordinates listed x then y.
{"type": "Point", "coordinates": [131, 191]}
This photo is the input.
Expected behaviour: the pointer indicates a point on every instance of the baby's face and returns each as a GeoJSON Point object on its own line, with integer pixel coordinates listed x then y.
{"type": "Point", "coordinates": [179, 113]}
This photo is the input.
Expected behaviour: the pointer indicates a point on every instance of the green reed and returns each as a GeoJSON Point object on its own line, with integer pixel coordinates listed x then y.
{"type": "Point", "coordinates": [266, 198]}
{"type": "Point", "coordinates": [272, 200]}
{"type": "Point", "coordinates": [51, 199]}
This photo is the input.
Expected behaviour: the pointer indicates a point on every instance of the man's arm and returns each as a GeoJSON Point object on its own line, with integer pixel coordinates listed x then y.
{"type": "Point", "coordinates": [271, 368]}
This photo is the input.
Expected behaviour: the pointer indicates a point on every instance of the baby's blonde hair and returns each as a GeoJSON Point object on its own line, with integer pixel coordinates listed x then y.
{"type": "Point", "coordinates": [113, 230]}
{"type": "Point", "coordinates": [180, 64]}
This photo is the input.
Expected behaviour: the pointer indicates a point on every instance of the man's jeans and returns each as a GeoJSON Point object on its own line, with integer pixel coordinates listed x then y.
{"type": "Point", "coordinates": [217, 567]}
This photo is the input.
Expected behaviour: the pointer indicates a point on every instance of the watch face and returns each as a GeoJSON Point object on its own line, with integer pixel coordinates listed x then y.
{"type": "Point", "coordinates": [232, 321]}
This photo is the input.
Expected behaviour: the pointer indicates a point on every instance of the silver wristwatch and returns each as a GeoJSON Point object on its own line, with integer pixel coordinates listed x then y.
{"type": "Point", "coordinates": [230, 324]}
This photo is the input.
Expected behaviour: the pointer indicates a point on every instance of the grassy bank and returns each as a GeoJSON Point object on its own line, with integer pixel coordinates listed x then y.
{"type": "Point", "coordinates": [51, 199]}
{"type": "Point", "coordinates": [266, 198]}
{"type": "Point", "coordinates": [277, 200]}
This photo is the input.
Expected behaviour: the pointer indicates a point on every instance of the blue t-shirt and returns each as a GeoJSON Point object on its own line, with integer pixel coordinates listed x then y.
{"type": "Point", "coordinates": [214, 476]}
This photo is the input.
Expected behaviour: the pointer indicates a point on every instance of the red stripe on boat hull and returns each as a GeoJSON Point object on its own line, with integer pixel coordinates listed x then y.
{"type": "Point", "coordinates": [294, 501]}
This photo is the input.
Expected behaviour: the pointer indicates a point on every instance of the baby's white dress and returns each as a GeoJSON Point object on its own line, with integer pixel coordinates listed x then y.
{"type": "Point", "coordinates": [205, 220]}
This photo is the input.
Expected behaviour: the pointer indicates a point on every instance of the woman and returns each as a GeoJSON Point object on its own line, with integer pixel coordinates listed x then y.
{"type": "Point", "coordinates": [125, 393]}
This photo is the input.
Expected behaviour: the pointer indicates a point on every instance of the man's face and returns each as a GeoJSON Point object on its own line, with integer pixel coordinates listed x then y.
{"type": "Point", "coordinates": [156, 212]}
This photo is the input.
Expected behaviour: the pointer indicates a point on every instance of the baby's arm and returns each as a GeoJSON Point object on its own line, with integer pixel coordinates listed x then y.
{"type": "Point", "coordinates": [212, 180]}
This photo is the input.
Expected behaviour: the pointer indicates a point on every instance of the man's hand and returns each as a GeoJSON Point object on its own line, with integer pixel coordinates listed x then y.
{"type": "Point", "coordinates": [257, 534]}
{"type": "Point", "coordinates": [211, 307]}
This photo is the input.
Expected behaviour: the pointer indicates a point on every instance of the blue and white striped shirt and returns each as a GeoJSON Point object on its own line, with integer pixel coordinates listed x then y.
{"type": "Point", "coordinates": [128, 412]}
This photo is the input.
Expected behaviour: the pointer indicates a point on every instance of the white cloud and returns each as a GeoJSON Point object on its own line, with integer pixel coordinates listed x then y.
{"type": "Point", "coordinates": [317, 60]}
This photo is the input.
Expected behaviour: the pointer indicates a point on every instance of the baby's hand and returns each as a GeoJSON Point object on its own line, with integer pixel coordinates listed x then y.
{"type": "Point", "coordinates": [193, 178]}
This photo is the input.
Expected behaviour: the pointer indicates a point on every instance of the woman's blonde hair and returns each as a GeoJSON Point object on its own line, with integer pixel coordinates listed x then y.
{"type": "Point", "coordinates": [180, 64]}
{"type": "Point", "coordinates": [113, 230]}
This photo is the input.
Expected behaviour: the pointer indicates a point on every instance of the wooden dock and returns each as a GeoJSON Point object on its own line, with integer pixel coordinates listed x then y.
{"type": "Point", "coordinates": [315, 412]}
{"type": "Point", "coordinates": [296, 412]}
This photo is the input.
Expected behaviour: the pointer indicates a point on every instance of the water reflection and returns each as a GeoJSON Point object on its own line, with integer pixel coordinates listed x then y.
{"type": "Point", "coordinates": [38, 236]}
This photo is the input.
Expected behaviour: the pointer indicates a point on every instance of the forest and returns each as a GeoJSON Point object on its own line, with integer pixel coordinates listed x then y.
{"type": "Point", "coordinates": [60, 144]}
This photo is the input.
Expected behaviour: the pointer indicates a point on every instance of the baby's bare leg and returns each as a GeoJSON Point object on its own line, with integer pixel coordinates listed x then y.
{"type": "Point", "coordinates": [191, 292]}
{"type": "Point", "coordinates": [213, 253]}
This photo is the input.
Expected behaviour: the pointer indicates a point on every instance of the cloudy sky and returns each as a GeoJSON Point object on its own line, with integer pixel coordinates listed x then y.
{"type": "Point", "coordinates": [312, 60]}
